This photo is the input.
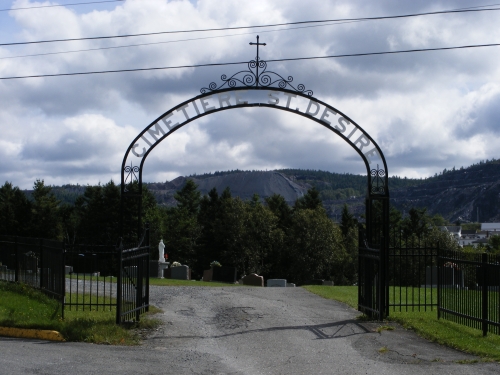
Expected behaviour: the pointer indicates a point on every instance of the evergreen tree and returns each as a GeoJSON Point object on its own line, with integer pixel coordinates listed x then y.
{"type": "Point", "coordinates": [314, 246]}
{"type": "Point", "coordinates": [207, 249]}
{"type": "Point", "coordinates": [45, 219]}
{"type": "Point", "coordinates": [417, 222]}
{"type": "Point", "coordinates": [311, 200]}
{"type": "Point", "coordinates": [280, 208]}
{"type": "Point", "coordinates": [261, 237]}
{"type": "Point", "coordinates": [349, 230]}
{"type": "Point", "coordinates": [183, 230]}
{"type": "Point", "coordinates": [188, 198]}
{"type": "Point", "coordinates": [15, 211]}
{"type": "Point", "coordinates": [347, 221]}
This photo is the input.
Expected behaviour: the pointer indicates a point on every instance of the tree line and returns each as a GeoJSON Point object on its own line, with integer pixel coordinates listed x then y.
{"type": "Point", "coordinates": [268, 237]}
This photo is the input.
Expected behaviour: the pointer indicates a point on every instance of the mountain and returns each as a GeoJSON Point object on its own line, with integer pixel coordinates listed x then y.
{"type": "Point", "coordinates": [467, 194]}
{"type": "Point", "coordinates": [458, 195]}
{"type": "Point", "coordinates": [242, 184]}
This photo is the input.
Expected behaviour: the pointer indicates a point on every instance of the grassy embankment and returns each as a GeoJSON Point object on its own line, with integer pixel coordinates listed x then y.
{"type": "Point", "coordinates": [24, 307]}
{"type": "Point", "coordinates": [426, 324]}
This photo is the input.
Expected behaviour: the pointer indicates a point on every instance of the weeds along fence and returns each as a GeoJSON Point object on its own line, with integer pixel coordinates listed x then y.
{"type": "Point", "coordinates": [469, 289]}
{"type": "Point", "coordinates": [81, 277]}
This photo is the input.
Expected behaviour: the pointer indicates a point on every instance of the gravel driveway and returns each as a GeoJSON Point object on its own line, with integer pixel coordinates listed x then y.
{"type": "Point", "coordinates": [240, 330]}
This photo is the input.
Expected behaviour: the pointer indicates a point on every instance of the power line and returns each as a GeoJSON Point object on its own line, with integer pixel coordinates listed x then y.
{"type": "Point", "coordinates": [246, 62]}
{"type": "Point", "coordinates": [253, 27]}
{"type": "Point", "coordinates": [175, 41]}
{"type": "Point", "coordinates": [61, 5]}
{"type": "Point", "coordinates": [195, 39]}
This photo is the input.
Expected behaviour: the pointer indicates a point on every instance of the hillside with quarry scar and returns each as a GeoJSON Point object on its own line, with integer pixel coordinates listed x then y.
{"type": "Point", "coordinates": [466, 194]}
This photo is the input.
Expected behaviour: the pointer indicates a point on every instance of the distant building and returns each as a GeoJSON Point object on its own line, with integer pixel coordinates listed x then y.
{"type": "Point", "coordinates": [490, 227]}
{"type": "Point", "coordinates": [472, 237]}
{"type": "Point", "coordinates": [454, 230]}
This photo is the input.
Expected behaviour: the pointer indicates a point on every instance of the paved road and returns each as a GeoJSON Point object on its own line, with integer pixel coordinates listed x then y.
{"type": "Point", "coordinates": [246, 331]}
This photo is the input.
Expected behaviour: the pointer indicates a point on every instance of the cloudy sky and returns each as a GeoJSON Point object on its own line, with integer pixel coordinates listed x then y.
{"type": "Point", "coordinates": [427, 111]}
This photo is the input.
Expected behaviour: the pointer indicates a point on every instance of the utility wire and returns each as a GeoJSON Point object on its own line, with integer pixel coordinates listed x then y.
{"type": "Point", "coordinates": [246, 62]}
{"type": "Point", "coordinates": [254, 27]}
{"type": "Point", "coordinates": [61, 5]}
{"type": "Point", "coordinates": [194, 39]}
{"type": "Point", "coordinates": [176, 41]}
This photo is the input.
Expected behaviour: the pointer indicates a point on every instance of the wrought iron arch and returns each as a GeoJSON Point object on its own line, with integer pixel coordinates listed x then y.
{"type": "Point", "coordinates": [267, 89]}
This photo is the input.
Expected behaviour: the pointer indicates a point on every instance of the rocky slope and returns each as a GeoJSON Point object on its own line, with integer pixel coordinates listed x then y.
{"type": "Point", "coordinates": [471, 194]}
{"type": "Point", "coordinates": [458, 195]}
{"type": "Point", "coordinates": [465, 194]}
{"type": "Point", "coordinates": [243, 185]}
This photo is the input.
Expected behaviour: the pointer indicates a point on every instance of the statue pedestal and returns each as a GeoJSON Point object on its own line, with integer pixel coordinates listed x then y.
{"type": "Point", "coordinates": [156, 268]}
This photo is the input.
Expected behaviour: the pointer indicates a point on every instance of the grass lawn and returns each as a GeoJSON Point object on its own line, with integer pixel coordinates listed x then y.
{"type": "Point", "coordinates": [24, 307]}
{"type": "Point", "coordinates": [152, 281]}
{"type": "Point", "coordinates": [426, 324]}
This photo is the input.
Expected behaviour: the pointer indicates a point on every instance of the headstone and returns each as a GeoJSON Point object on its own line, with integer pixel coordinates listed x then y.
{"type": "Point", "coordinates": [224, 274]}
{"type": "Point", "coordinates": [167, 273]}
{"type": "Point", "coordinates": [290, 285]}
{"type": "Point", "coordinates": [253, 279]}
{"type": "Point", "coordinates": [207, 275]}
{"type": "Point", "coordinates": [179, 273]}
{"type": "Point", "coordinates": [431, 277]}
{"type": "Point", "coordinates": [328, 283]}
{"type": "Point", "coordinates": [492, 277]}
{"type": "Point", "coordinates": [276, 282]}
{"type": "Point", "coordinates": [452, 277]}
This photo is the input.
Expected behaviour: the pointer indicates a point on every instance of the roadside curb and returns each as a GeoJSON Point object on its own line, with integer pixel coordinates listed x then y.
{"type": "Point", "coordinates": [31, 333]}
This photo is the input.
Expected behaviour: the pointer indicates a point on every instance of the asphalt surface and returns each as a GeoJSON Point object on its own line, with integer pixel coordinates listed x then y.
{"type": "Point", "coordinates": [247, 331]}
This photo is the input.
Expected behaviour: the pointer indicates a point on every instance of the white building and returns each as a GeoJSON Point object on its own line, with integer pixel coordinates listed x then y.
{"type": "Point", "coordinates": [490, 227]}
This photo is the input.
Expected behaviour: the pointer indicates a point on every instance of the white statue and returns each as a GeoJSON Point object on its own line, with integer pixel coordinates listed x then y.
{"type": "Point", "coordinates": [161, 250]}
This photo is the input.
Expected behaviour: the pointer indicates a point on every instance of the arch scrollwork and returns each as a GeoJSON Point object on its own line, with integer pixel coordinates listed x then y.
{"type": "Point", "coordinates": [255, 78]}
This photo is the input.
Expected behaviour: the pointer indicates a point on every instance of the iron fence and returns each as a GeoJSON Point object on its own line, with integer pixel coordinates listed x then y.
{"type": "Point", "coordinates": [469, 289]}
{"type": "Point", "coordinates": [35, 262]}
{"type": "Point", "coordinates": [133, 281]}
{"type": "Point", "coordinates": [412, 273]}
{"type": "Point", "coordinates": [81, 277]}
{"type": "Point", "coordinates": [371, 280]}
{"type": "Point", "coordinates": [91, 276]}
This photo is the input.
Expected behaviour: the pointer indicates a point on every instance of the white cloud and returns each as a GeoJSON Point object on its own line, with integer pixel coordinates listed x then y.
{"type": "Point", "coordinates": [428, 111]}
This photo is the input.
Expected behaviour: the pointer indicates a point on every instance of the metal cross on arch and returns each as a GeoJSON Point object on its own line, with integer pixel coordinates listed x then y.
{"type": "Point", "coordinates": [257, 59]}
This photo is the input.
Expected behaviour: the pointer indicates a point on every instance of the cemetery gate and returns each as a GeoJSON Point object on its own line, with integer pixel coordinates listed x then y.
{"type": "Point", "coordinates": [256, 87]}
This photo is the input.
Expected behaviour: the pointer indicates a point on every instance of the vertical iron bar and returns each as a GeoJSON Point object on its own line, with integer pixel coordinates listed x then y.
{"type": "Point", "coordinates": [438, 264]}
{"type": "Point", "coordinates": [63, 279]}
{"type": "Point", "coordinates": [381, 282]}
{"type": "Point", "coordinates": [138, 286]}
{"type": "Point", "coordinates": [42, 265]}
{"type": "Point", "coordinates": [484, 266]}
{"type": "Point", "coordinates": [18, 262]}
{"type": "Point", "coordinates": [119, 284]}
{"type": "Point", "coordinates": [145, 269]}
